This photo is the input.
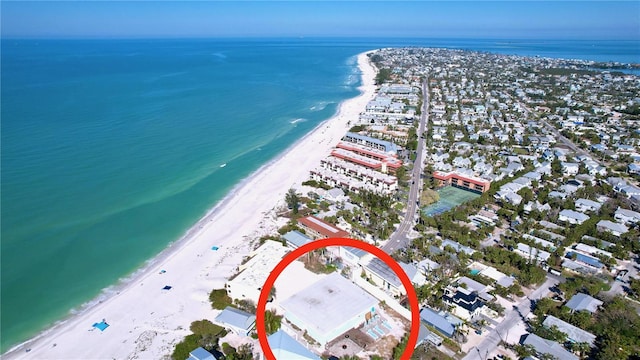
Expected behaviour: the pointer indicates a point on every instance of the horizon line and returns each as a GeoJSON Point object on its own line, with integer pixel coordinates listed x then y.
{"type": "Point", "coordinates": [302, 37]}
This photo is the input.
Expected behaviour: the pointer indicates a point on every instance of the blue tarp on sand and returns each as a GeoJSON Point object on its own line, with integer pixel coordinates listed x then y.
{"type": "Point", "coordinates": [101, 325]}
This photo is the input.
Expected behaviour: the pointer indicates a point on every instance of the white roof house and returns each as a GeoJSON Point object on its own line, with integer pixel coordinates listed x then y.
{"type": "Point", "coordinates": [627, 216]}
{"type": "Point", "coordinates": [416, 276]}
{"type": "Point", "coordinates": [574, 334]}
{"type": "Point", "coordinates": [529, 252]}
{"type": "Point", "coordinates": [583, 205]}
{"type": "Point", "coordinates": [572, 217]}
{"type": "Point", "coordinates": [611, 227]}
{"type": "Point", "coordinates": [544, 346]}
{"type": "Point", "coordinates": [570, 168]}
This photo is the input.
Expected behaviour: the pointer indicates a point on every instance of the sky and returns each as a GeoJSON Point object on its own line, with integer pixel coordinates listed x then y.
{"type": "Point", "coordinates": [423, 19]}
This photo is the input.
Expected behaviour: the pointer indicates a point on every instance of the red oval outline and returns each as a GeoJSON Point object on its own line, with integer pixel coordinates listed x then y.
{"type": "Point", "coordinates": [317, 244]}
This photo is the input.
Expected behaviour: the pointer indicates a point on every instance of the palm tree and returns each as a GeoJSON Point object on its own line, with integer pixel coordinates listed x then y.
{"type": "Point", "coordinates": [581, 348]}
{"type": "Point", "coordinates": [272, 322]}
{"type": "Point", "coordinates": [293, 200]}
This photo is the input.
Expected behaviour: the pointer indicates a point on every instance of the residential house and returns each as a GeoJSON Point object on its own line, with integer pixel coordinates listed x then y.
{"type": "Point", "coordinates": [531, 206]}
{"type": "Point", "coordinates": [531, 253]}
{"type": "Point", "coordinates": [611, 227]}
{"type": "Point", "coordinates": [284, 346]}
{"type": "Point", "coordinates": [593, 264]}
{"type": "Point", "coordinates": [378, 272]}
{"type": "Point", "coordinates": [334, 195]}
{"type": "Point", "coordinates": [627, 216]}
{"type": "Point", "coordinates": [320, 229]}
{"type": "Point", "coordinates": [457, 247]}
{"type": "Point", "coordinates": [442, 322]}
{"type": "Point", "coordinates": [509, 197]}
{"type": "Point", "coordinates": [295, 239]}
{"type": "Point", "coordinates": [591, 250]}
{"type": "Point", "coordinates": [465, 302]}
{"type": "Point", "coordinates": [574, 334]}
{"type": "Point", "coordinates": [459, 161]}
{"type": "Point", "coordinates": [350, 256]}
{"type": "Point", "coordinates": [584, 205]}
{"type": "Point", "coordinates": [416, 276]}
{"type": "Point", "coordinates": [569, 169]}
{"type": "Point", "coordinates": [580, 302]}
{"type": "Point", "coordinates": [552, 348]}
{"type": "Point", "coordinates": [238, 321]}
{"type": "Point", "coordinates": [572, 217]}
{"type": "Point", "coordinates": [620, 185]}
{"type": "Point", "coordinates": [427, 266]}
{"type": "Point", "coordinates": [200, 354]}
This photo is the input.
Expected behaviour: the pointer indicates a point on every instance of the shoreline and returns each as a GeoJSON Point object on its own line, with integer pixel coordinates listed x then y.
{"type": "Point", "coordinates": [146, 321]}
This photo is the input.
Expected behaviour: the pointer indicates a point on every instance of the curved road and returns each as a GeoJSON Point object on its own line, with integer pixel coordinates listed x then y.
{"type": "Point", "coordinates": [399, 239]}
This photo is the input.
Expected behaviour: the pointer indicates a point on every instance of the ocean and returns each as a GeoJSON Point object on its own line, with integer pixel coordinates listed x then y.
{"type": "Point", "coordinates": [112, 149]}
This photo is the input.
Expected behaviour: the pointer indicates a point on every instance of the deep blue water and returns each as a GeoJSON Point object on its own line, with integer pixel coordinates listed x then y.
{"type": "Point", "coordinates": [111, 149]}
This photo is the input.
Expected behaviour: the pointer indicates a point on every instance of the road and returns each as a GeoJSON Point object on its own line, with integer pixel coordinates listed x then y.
{"type": "Point", "coordinates": [501, 331]}
{"type": "Point", "coordinates": [399, 239]}
{"type": "Point", "coordinates": [568, 143]}
{"type": "Point", "coordinates": [617, 286]}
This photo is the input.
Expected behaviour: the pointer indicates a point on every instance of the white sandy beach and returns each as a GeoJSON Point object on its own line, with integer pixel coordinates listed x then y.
{"type": "Point", "coordinates": [146, 321]}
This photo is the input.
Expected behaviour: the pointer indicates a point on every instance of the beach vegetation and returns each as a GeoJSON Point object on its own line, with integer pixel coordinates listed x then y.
{"type": "Point", "coordinates": [246, 305]}
{"type": "Point", "coordinates": [290, 226]}
{"type": "Point", "coordinates": [183, 348]}
{"type": "Point", "coordinates": [219, 299]}
{"type": "Point", "coordinates": [317, 184]}
{"type": "Point", "coordinates": [207, 328]}
{"type": "Point", "coordinates": [243, 352]}
{"type": "Point", "coordinates": [383, 75]}
{"type": "Point", "coordinates": [205, 334]}
{"type": "Point", "coordinates": [292, 198]}
{"type": "Point", "coordinates": [272, 238]}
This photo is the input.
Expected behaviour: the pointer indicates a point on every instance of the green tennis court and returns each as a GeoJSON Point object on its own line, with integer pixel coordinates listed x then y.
{"type": "Point", "coordinates": [450, 197]}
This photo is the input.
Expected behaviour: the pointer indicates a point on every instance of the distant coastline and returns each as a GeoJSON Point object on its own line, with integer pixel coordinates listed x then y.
{"type": "Point", "coordinates": [623, 51]}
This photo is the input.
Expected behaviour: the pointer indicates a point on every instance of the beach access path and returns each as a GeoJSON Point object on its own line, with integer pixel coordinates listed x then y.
{"type": "Point", "coordinates": [145, 321]}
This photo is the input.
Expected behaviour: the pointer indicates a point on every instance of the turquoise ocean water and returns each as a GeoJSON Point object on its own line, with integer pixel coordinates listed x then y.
{"type": "Point", "coordinates": [112, 149]}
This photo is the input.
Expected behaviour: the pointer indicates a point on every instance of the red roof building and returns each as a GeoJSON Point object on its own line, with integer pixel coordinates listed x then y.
{"type": "Point", "coordinates": [470, 183]}
{"type": "Point", "coordinates": [365, 156]}
{"type": "Point", "coordinates": [319, 229]}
